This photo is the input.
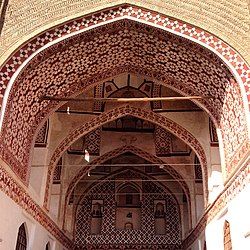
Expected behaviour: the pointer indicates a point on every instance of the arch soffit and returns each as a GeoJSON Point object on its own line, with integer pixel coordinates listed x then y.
{"type": "Point", "coordinates": [230, 57]}
{"type": "Point", "coordinates": [116, 113]}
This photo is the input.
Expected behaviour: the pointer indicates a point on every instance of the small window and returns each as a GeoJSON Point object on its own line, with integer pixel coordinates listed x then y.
{"type": "Point", "coordinates": [21, 238]}
{"type": "Point", "coordinates": [47, 246]}
{"type": "Point", "coordinates": [227, 236]}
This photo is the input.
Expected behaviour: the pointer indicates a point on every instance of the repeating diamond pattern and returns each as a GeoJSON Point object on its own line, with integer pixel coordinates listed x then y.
{"type": "Point", "coordinates": [112, 238]}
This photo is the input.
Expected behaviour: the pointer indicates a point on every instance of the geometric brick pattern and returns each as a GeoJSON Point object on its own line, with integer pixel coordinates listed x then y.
{"type": "Point", "coordinates": [119, 151]}
{"type": "Point", "coordinates": [17, 193]}
{"type": "Point", "coordinates": [215, 79]}
{"type": "Point", "coordinates": [145, 235]}
{"type": "Point", "coordinates": [197, 170]}
{"type": "Point", "coordinates": [156, 92]}
{"type": "Point", "coordinates": [116, 113]}
{"type": "Point", "coordinates": [162, 141]}
{"type": "Point", "coordinates": [123, 11]}
{"type": "Point", "coordinates": [41, 138]}
{"type": "Point", "coordinates": [98, 93]}
{"type": "Point", "coordinates": [198, 174]}
{"type": "Point", "coordinates": [92, 141]}
{"type": "Point", "coordinates": [57, 172]}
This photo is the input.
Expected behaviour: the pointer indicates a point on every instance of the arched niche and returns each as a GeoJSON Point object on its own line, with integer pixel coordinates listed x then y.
{"type": "Point", "coordinates": [110, 209]}
{"type": "Point", "coordinates": [22, 238]}
{"type": "Point", "coordinates": [128, 195]}
{"type": "Point", "coordinates": [115, 113]}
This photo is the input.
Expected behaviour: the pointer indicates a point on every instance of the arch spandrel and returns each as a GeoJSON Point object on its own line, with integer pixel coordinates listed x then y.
{"type": "Point", "coordinates": [235, 100]}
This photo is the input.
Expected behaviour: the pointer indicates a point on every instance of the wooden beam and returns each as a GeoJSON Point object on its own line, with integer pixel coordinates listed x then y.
{"type": "Point", "coordinates": [144, 99]}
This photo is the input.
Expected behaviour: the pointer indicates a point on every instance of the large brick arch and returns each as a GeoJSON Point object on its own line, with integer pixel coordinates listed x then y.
{"type": "Point", "coordinates": [114, 114]}
{"type": "Point", "coordinates": [27, 80]}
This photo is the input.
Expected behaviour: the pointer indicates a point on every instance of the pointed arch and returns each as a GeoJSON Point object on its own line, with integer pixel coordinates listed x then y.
{"type": "Point", "coordinates": [118, 151]}
{"type": "Point", "coordinates": [115, 113]}
{"type": "Point", "coordinates": [163, 190]}
{"type": "Point", "coordinates": [232, 90]}
{"type": "Point", "coordinates": [22, 238]}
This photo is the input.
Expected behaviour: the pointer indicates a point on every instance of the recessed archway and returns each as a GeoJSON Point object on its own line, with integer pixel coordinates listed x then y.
{"type": "Point", "coordinates": [113, 114]}
{"type": "Point", "coordinates": [157, 190]}
{"type": "Point", "coordinates": [118, 152]}
{"type": "Point", "coordinates": [127, 148]}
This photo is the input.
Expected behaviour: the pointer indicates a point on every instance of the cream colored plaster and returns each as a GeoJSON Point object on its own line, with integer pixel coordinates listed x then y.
{"type": "Point", "coordinates": [237, 214]}
{"type": "Point", "coordinates": [228, 19]}
{"type": "Point", "coordinates": [11, 217]}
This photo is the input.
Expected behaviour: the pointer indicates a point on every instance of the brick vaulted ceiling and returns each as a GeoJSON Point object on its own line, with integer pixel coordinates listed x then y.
{"type": "Point", "coordinates": [72, 65]}
{"type": "Point", "coordinates": [219, 17]}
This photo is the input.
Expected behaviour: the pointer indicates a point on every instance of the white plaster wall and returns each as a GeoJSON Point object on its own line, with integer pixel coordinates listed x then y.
{"type": "Point", "coordinates": [38, 171]}
{"type": "Point", "coordinates": [237, 214]}
{"type": "Point", "coordinates": [11, 218]}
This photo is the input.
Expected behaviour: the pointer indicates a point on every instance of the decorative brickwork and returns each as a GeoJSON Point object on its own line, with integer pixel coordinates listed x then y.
{"type": "Point", "coordinates": [213, 80]}
{"type": "Point", "coordinates": [197, 170]}
{"type": "Point", "coordinates": [17, 193]}
{"type": "Point", "coordinates": [213, 16]}
{"type": "Point", "coordinates": [98, 93]}
{"type": "Point", "coordinates": [156, 92]}
{"type": "Point", "coordinates": [90, 142]}
{"type": "Point", "coordinates": [41, 138]}
{"type": "Point", "coordinates": [116, 152]}
{"type": "Point", "coordinates": [145, 235]}
{"type": "Point", "coordinates": [162, 141]}
{"type": "Point", "coordinates": [114, 114]}
{"type": "Point", "coordinates": [57, 172]}
{"type": "Point", "coordinates": [93, 140]}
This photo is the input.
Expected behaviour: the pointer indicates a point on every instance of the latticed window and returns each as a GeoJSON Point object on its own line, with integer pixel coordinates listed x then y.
{"type": "Point", "coordinates": [21, 238]}
{"type": "Point", "coordinates": [227, 236]}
